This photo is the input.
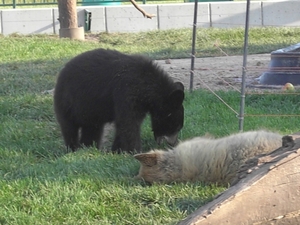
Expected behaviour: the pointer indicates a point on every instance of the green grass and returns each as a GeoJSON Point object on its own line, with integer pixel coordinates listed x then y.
{"type": "Point", "coordinates": [155, 44]}
{"type": "Point", "coordinates": [41, 183]}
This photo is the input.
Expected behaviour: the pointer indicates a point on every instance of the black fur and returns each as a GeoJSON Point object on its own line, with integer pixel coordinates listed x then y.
{"type": "Point", "coordinates": [102, 86]}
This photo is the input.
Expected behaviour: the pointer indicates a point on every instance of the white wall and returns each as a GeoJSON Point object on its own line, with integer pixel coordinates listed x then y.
{"type": "Point", "coordinates": [27, 21]}
{"type": "Point", "coordinates": [128, 19]}
{"type": "Point", "coordinates": [181, 15]}
{"type": "Point", "coordinates": [234, 15]}
{"type": "Point", "coordinates": [286, 13]}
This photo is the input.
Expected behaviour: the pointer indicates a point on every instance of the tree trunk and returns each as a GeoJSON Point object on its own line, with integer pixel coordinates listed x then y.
{"type": "Point", "coordinates": [68, 20]}
{"type": "Point", "coordinates": [67, 13]}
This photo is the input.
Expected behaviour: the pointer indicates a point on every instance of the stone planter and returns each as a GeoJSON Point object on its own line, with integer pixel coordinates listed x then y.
{"type": "Point", "coordinates": [72, 33]}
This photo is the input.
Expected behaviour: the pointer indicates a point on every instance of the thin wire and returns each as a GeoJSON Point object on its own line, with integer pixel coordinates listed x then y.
{"type": "Point", "coordinates": [218, 96]}
{"type": "Point", "coordinates": [271, 115]}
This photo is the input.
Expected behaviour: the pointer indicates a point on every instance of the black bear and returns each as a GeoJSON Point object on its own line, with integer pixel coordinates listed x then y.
{"type": "Point", "coordinates": [103, 86]}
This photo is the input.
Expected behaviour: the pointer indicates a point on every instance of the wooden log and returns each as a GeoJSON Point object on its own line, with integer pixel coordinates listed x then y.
{"type": "Point", "coordinates": [267, 191]}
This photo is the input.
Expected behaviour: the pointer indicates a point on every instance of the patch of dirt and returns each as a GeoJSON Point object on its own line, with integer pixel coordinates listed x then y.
{"type": "Point", "coordinates": [218, 73]}
{"type": "Point", "coordinates": [213, 73]}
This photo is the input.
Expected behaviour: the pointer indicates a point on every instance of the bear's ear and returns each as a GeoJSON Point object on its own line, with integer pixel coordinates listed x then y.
{"type": "Point", "coordinates": [179, 85]}
{"type": "Point", "coordinates": [148, 159]}
{"type": "Point", "coordinates": [176, 98]}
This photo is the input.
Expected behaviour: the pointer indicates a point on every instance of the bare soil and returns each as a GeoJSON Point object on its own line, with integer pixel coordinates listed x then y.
{"type": "Point", "coordinates": [217, 73]}
{"type": "Point", "coordinates": [212, 73]}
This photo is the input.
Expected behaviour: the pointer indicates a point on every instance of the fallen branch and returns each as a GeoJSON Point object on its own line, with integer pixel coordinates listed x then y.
{"type": "Point", "coordinates": [141, 10]}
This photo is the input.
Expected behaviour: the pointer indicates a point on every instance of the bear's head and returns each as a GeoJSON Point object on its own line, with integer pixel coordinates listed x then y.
{"type": "Point", "coordinates": [168, 120]}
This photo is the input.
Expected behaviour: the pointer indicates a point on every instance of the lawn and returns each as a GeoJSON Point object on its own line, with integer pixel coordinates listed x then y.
{"type": "Point", "coordinates": [42, 183]}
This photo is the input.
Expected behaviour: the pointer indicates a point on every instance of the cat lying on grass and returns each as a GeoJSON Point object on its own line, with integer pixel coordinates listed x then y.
{"type": "Point", "coordinates": [205, 159]}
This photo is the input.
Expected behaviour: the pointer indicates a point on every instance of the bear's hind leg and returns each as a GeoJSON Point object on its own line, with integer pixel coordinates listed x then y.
{"type": "Point", "coordinates": [91, 135]}
{"type": "Point", "coordinates": [70, 134]}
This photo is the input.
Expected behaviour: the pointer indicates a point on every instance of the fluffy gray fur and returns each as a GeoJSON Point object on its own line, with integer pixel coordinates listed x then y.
{"type": "Point", "coordinates": [205, 159]}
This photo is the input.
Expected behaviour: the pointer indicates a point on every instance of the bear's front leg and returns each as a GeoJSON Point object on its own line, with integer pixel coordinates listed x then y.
{"type": "Point", "coordinates": [127, 138]}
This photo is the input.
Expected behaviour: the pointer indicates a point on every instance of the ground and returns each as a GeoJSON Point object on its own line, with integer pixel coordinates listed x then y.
{"type": "Point", "coordinates": [217, 73]}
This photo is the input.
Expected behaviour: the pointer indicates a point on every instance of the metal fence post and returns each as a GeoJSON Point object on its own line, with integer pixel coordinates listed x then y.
{"type": "Point", "coordinates": [193, 45]}
{"type": "Point", "coordinates": [242, 103]}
